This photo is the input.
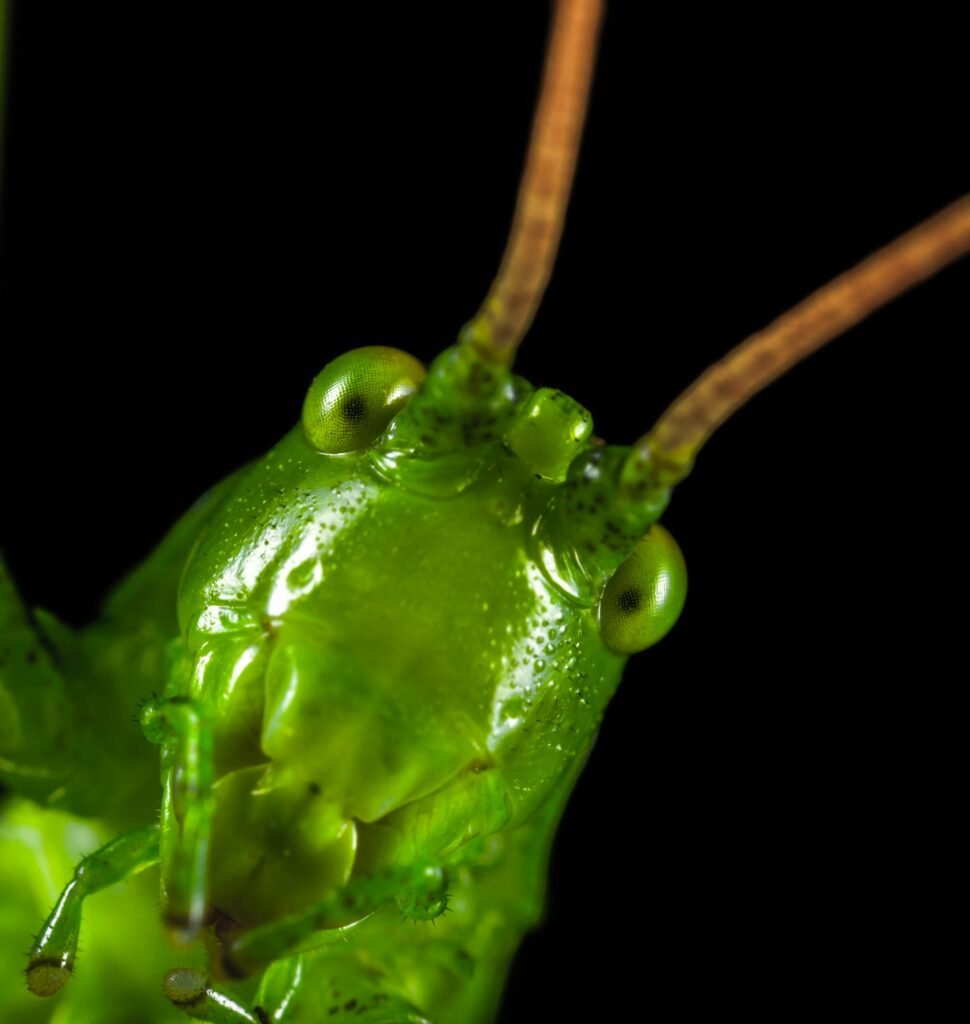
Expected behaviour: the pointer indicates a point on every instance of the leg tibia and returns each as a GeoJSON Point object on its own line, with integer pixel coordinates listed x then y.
{"type": "Point", "coordinates": [55, 950]}
{"type": "Point", "coordinates": [189, 991]}
{"type": "Point", "coordinates": [183, 728]}
{"type": "Point", "coordinates": [252, 950]}
{"type": "Point", "coordinates": [298, 990]}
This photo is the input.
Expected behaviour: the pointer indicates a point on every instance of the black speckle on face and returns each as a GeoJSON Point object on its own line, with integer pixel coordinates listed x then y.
{"type": "Point", "coordinates": [353, 409]}
{"type": "Point", "coordinates": [629, 600]}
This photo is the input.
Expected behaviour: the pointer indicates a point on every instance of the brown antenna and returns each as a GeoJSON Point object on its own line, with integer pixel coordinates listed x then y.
{"type": "Point", "coordinates": [666, 453]}
{"type": "Point", "coordinates": [510, 305]}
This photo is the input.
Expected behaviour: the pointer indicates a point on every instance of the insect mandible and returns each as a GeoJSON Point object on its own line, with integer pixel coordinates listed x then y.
{"type": "Point", "coordinates": [899, 222]}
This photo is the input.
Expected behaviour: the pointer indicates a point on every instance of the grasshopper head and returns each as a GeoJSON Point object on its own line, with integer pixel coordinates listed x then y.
{"type": "Point", "coordinates": [448, 594]}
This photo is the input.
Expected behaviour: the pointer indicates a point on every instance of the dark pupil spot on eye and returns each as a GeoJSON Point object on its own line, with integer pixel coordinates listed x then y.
{"type": "Point", "coordinates": [353, 409]}
{"type": "Point", "coordinates": [629, 600]}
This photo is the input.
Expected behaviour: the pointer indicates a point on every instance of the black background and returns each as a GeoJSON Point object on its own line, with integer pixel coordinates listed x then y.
{"type": "Point", "coordinates": [206, 201]}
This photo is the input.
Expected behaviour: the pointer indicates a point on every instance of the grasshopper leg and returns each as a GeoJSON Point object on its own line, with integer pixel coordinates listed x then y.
{"type": "Point", "coordinates": [294, 990]}
{"type": "Point", "coordinates": [252, 950]}
{"type": "Point", "coordinates": [183, 729]}
{"type": "Point", "coordinates": [189, 991]}
{"type": "Point", "coordinates": [54, 952]}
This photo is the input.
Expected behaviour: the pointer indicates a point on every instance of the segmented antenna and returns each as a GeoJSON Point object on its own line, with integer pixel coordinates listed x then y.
{"type": "Point", "coordinates": [666, 453]}
{"type": "Point", "coordinates": [510, 305]}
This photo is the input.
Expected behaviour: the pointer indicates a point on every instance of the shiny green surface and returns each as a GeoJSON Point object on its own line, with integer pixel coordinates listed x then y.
{"type": "Point", "coordinates": [353, 399]}
{"type": "Point", "coordinates": [374, 666]}
{"type": "Point", "coordinates": [645, 596]}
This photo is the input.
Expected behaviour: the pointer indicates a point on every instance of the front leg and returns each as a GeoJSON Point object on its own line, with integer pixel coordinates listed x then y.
{"type": "Point", "coordinates": [305, 989]}
{"type": "Point", "coordinates": [419, 890]}
{"type": "Point", "coordinates": [189, 991]}
{"type": "Point", "coordinates": [54, 952]}
{"type": "Point", "coordinates": [183, 729]}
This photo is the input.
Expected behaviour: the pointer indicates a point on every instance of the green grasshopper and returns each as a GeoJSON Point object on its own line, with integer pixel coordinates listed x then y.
{"type": "Point", "coordinates": [419, 894]}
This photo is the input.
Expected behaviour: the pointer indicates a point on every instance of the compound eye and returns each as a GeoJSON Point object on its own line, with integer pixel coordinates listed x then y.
{"type": "Point", "coordinates": [352, 400]}
{"type": "Point", "coordinates": [645, 596]}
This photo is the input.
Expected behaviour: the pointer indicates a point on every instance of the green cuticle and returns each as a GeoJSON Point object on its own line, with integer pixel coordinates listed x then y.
{"type": "Point", "coordinates": [549, 430]}
{"type": "Point", "coordinates": [645, 596]}
{"type": "Point", "coordinates": [592, 523]}
{"type": "Point", "coordinates": [466, 401]}
{"type": "Point", "coordinates": [353, 399]}
{"type": "Point", "coordinates": [450, 431]}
